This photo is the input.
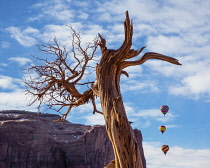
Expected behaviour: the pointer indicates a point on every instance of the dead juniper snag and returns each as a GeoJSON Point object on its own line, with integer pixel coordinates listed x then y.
{"type": "Point", "coordinates": [55, 85]}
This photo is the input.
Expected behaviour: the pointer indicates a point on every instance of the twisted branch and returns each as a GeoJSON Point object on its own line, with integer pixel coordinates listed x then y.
{"type": "Point", "coordinates": [150, 55]}
{"type": "Point", "coordinates": [56, 78]}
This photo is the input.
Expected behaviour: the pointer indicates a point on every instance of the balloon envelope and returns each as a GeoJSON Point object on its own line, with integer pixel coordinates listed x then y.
{"type": "Point", "coordinates": [162, 129]}
{"type": "Point", "coordinates": [165, 148]}
{"type": "Point", "coordinates": [164, 109]}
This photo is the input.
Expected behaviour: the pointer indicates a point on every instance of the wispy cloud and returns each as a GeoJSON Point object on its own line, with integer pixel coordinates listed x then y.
{"type": "Point", "coordinates": [12, 96]}
{"type": "Point", "coordinates": [154, 114]}
{"type": "Point", "coordinates": [133, 71]}
{"type": "Point", "coordinates": [83, 15]}
{"type": "Point", "coordinates": [16, 100]}
{"type": "Point", "coordinates": [5, 44]}
{"type": "Point", "coordinates": [191, 79]}
{"type": "Point", "coordinates": [173, 126]}
{"type": "Point", "coordinates": [135, 85]}
{"type": "Point", "coordinates": [20, 60]}
{"type": "Point", "coordinates": [96, 119]}
{"type": "Point", "coordinates": [145, 118]}
{"type": "Point", "coordinates": [58, 10]}
{"type": "Point", "coordinates": [3, 64]}
{"type": "Point", "coordinates": [173, 28]}
{"type": "Point", "coordinates": [7, 82]}
{"type": "Point", "coordinates": [26, 37]}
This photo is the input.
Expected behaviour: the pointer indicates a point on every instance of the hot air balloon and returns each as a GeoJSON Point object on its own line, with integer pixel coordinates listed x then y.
{"type": "Point", "coordinates": [162, 129]}
{"type": "Point", "coordinates": [165, 148]}
{"type": "Point", "coordinates": [164, 109]}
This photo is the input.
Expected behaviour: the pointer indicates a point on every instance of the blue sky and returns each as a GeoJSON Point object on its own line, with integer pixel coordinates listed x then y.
{"type": "Point", "coordinates": [180, 29]}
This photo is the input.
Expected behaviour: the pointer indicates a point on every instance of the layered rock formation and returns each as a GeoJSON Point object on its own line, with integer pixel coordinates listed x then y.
{"type": "Point", "coordinates": [31, 140]}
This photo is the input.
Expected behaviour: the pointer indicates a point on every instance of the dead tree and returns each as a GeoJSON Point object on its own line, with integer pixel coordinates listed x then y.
{"type": "Point", "coordinates": [56, 85]}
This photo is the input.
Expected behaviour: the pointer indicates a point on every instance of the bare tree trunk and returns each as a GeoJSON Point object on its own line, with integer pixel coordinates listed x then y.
{"type": "Point", "coordinates": [121, 135]}
{"type": "Point", "coordinates": [108, 71]}
{"type": "Point", "coordinates": [126, 150]}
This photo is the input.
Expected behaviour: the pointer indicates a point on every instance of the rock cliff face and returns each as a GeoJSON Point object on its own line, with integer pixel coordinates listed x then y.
{"type": "Point", "coordinates": [31, 140]}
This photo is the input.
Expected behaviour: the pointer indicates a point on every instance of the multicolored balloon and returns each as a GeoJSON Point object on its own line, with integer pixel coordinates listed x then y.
{"type": "Point", "coordinates": [164, 109]}
{"type": "Point", "coordinates": [162, 129]}
{"type": "Point", "coordinates": [165, 148]}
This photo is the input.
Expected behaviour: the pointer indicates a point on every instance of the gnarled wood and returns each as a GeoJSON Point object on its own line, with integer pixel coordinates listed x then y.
{"type": "Point", "coordinates": [57, 80]}
{"type": "Point", "coordinates": [108, 71]}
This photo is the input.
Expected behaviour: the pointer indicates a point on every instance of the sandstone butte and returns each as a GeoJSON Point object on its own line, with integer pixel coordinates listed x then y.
{"type": "Point", "coordinates": [31, 140]}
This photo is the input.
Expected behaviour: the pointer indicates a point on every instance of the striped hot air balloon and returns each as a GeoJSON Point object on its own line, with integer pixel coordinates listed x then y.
{"type": "Point", "coordinates": [162, 129]}
{"type": "Point", "coordinates": [164, 109]}
{"type": "Point", "coordinates": [165, 148]}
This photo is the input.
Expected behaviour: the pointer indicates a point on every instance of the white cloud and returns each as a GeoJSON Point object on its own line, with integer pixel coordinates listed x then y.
{"type": "Point", "coordinates": [94, 119]}
{"type": "Point", "coordinates": [15, 100]}
{"type": "Point", "coordinates": [3, 64]}
{"type": "Point", "coordinates": [89, 107]}
{"type": "Point", "coordinates": [25, 37]}
{"type": "Point", "coordinates": [82, 4]}
{"type": "Point", "coordinates": [30, 30]}
{"type": "Point", "coordinates": [177, 157]}
{"type": "Point", "coordinates": [85, 108]}
{"type": "Point", "coordinates": [87, 115]}
{"type": "Point", "coordinates": [185, 14]}
{"type": "Point", "coordinates": [7, 82]}
{"type": "Point", "coordinates": [155, 114]}
{"type": "Point", "coordinates": [175, 28]}
{"type": "Point", "coordinates": [144, 30]}
{"type": "Point", "coordinates": [12, 96]}
{"type": "Point", "coordinates": [193, 86]}
{"type": "Point", "coordinates": [83, 15]}
{"type": "Point", "coordinates": [145, 118]}
{"type": "Point", "coordinates": [34, 18]}
{"type": "Point", "coordinates": [194, 77]}
{"type": "Point", "coordinates": [134, 71]}
{"type": "Point", "coordinates": [20, 60]}
{"type": "Point", "coordinates": [191, 79]}
{"type": "Point", "coordinates": [167, 44]}
{"type": "Point", "coordinates": [63, 33]}
{"type": "Point", "coordinates": [173, 126]}
{"type": "Point", "coordinates": [62, 15]}
{"type": "Point", "coordinates": [135, 85]}
{"type": "Point", "coordinates": [29, 36]}
{"type": "Point", "coordinates": [105, 17]}
{"type": "Point", "coordinates": [5, 44]}
{"type": "Point", "coordinates": [57, 10]}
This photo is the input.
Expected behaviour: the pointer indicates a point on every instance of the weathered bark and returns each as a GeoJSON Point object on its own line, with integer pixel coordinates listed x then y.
{"type": "Point", "coordinates": [108, 71]}
{"type": "Point", "coordinates": [126, 150]}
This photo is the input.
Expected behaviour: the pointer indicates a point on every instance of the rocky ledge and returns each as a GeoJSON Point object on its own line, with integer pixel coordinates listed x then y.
{"type": "Point", "coordinates": [31, 140]}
